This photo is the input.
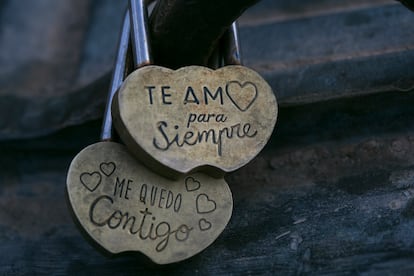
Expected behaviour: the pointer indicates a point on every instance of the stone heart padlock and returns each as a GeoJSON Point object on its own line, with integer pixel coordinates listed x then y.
{"type": "Point", "coordinates": [194, 118]}
{"type": "Point", "coordinates": [123, 206]}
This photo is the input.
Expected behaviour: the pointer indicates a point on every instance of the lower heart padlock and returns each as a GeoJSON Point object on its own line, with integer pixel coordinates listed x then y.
{"type": "Point", "coordinates": [123, 206]}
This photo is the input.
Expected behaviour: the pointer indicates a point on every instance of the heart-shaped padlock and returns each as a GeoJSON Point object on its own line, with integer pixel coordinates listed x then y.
{"type": "Point", "coordinates": [123, 206]}
{"type": "Point", "coordinates": [194, 118]}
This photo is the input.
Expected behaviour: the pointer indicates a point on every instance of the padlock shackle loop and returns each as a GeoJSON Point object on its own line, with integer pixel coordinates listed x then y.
{"type": "Point", "coordinates": [118, 76]}
{"type": "Point", "coordinates": [140, 37]}
{"type": "Point", "coordinates": [227, 52]}
{"type": "Point", "coordinates": [138, 11]}
{"type": "Point", "coordinates": [231, 46]}
{"type": "Point", "coordinates": [141, 55]}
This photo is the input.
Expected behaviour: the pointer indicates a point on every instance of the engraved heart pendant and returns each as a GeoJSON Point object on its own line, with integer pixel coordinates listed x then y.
{"type": "Point", "coordinates": [195, 118]}
{"type": "Point", "coordinates": [125, 207]}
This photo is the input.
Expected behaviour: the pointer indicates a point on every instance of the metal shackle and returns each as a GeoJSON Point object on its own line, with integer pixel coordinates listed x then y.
{"type": "Point", "coordinates": [118, 76]}
{"type": "Point", "coordinates": [137, 16]}
{"type": "Point", "coordinates": [138, 13]}
{"type": "Point", "coordinates": [229, 48]}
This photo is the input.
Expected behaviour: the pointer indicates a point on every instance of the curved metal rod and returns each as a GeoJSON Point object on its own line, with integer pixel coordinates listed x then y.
{"type": "Point", "coordinates": [228, 51]}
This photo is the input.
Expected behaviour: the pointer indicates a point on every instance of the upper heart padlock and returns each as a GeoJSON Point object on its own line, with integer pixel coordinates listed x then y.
{"type": "Point", "coordinates": [193, 118]}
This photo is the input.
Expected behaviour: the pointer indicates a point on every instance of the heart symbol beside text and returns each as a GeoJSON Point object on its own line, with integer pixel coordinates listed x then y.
{"type": "Point", "coordinates": [191, 184]}
{"type": "Point", "coordinates": [91, 181]}
{"type": "Point", "coordinates": [107, 168]}
{"type": "Point", "coordinates": [242, 95]}
{"type": "Point", "coordinates": [204, 224]}
{"type": "Point", "coordinates": [204, 204]}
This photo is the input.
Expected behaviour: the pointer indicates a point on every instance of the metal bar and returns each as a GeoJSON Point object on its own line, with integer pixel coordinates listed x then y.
{"type": "Point", "coordinates": [117, 77]}
{"type": "Point", "coordinates": [140, 33]}
{"type": "Point", "coordinates": [231, 46]}
{"type": "Point", "coordinates": [216, 59]}
{"type": "Point", "coordinates": [228, 52]}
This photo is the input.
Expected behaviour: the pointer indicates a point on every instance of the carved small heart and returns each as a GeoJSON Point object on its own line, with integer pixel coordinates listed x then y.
{"type": "Point", "coordinates": [107, 168]}
{"type": "Point", "coordinates": [191, 184]}
{"type": "Point", "coordinates": [91, 181]}
{"type": "Point", "coordinates": [204, 224]}
{"type": "Point", "coordinates": [242, 95]}
{"type": "Point", "coordinates": [138, 210]}
{"type": "Point", "coordinates": [204, 204]}
{"type": "Point", "coordinates": [195, 118]}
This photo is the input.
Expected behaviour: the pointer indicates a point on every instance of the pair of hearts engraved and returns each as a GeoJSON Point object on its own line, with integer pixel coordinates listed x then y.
{"type": "Point", "coordinates": [204, 204]}
{"type": "Point", "coordinates": [194, 118]}
{"type": "Point", "coordinates": [91, 181]}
